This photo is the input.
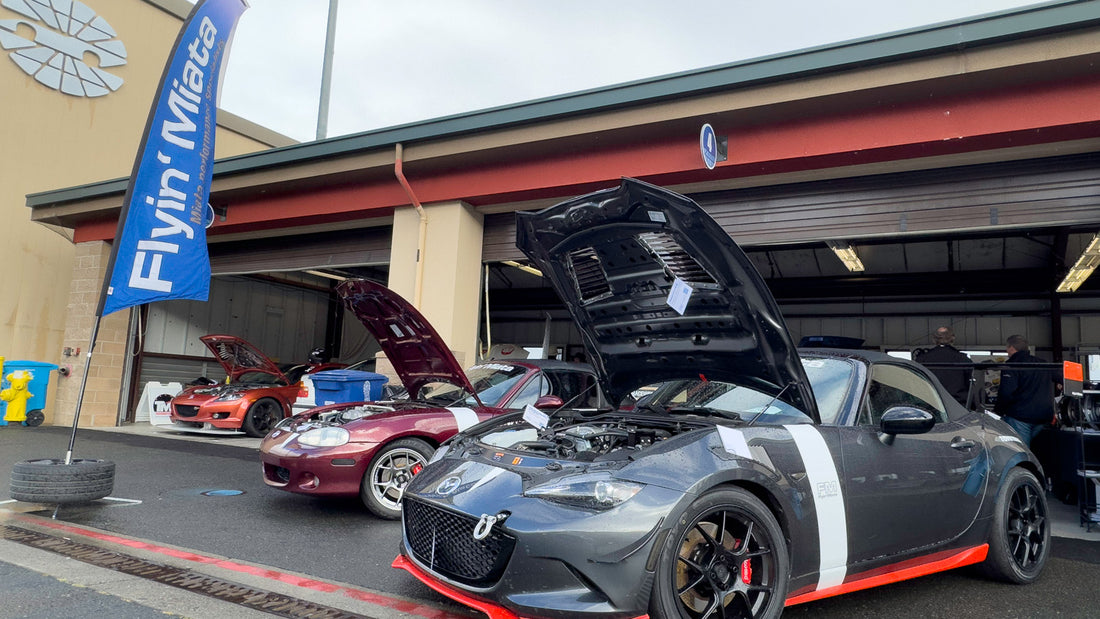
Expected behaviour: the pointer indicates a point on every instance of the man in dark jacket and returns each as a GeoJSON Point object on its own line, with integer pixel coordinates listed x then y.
{"type": "Point", "coordinates": [955, 380]}
{"type": "Point", "coordinates": [1025, 398]}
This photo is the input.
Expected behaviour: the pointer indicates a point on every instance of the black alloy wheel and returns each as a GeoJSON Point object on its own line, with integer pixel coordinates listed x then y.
{"type": "Point", "coordinates": [262, 417]}
{"type": "Point", "coordinates": [726, 557]}
{"type": "Point", "coordinates": [1019, 541]}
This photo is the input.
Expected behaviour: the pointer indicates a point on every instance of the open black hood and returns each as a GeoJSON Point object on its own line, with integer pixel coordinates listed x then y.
{"type": "Point", "coordinates": [613, 257]}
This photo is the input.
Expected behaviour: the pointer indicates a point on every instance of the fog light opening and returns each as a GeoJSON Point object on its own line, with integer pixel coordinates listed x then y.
{"type": "Point", "coordinates": [309, 482]}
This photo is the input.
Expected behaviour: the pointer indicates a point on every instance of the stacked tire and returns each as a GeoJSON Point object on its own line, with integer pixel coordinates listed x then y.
{"type": "Point", "coordinates": [53, 481]}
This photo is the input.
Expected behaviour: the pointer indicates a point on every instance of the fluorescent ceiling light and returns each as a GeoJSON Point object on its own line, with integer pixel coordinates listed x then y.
{"type": "Point", "coordinates": [1084, 267]}
{"type": "Point", "coordinates": [847, 255]}
{"type": "Point", "coordinates": [523, 267]}
{"type": "Point", "coordinates": [339, 278]}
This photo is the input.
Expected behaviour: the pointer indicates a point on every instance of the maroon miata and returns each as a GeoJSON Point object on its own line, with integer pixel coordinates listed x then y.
{"type": "Point", "coordinates": [373, 449]}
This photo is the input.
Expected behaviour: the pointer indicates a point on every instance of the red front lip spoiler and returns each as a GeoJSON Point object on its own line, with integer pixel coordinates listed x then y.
{"type": "Point", "coordinates": [920, 567]}
{"type": "Point", "coordinates": [493, 610]}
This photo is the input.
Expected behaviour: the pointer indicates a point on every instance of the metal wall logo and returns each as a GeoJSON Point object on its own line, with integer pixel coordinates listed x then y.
{"type": "Point", "coordinates": [57, 41]}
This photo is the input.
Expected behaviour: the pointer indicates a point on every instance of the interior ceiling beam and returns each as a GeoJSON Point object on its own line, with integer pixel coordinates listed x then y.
{"type": "Point", "coordinates": [997, 284]}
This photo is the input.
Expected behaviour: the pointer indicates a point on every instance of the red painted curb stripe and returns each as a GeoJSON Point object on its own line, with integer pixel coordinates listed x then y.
{"type": "Point", "coordinates": [404, 606]}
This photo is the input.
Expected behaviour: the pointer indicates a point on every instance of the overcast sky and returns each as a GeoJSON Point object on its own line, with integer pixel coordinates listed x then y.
{"type": "Point", "coordinates": [400, 61]}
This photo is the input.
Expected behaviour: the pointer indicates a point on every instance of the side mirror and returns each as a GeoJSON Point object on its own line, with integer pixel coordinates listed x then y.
{"type": "Point", "coordinates": [548, 401]}
{"type": "Point", "coordinates": [906, 420]}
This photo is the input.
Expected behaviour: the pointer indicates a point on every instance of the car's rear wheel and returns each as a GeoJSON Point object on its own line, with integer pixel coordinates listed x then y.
{"type": "Point", "coordinates": [262, 417]}
{"type": "Point", "coordinates": [1019, 541]}
{"type": "Point", "coordinates": [726, 557]}
{"type": "Point", "coordinates": [391, 469]}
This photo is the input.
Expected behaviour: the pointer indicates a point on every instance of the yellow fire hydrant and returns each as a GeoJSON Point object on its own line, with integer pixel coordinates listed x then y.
{"type": "Point", "coordinates": [16, 395]}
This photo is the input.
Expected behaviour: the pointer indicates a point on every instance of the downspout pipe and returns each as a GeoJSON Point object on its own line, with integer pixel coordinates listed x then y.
{"type": "Point", "coordinates": [398, 170]}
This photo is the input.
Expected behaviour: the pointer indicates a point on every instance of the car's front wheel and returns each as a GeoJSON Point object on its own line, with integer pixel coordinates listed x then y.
{"type": "Point", "coordinates": [261, 417]}
{"type": "Point", "coordinates": [726, 557]}
{"type": "Point", "coordinates": [1019, 541]}
{"type": "Point", "coordinates": [391, 469]}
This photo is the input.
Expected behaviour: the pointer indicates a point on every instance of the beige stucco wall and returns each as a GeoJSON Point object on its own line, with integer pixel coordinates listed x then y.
{"type": "Point", "coordinates": [53, 140]}
{"type": "Point", "coordinates": [452, 268]}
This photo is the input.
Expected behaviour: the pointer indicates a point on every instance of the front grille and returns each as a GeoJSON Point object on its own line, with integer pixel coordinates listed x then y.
{"type": "Point", "coordinates": [443, 540]}
{"type": "Point", "coordinates": [186, 411]}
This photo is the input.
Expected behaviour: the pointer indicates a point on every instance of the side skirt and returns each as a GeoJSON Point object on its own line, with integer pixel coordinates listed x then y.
{"type": "Point", "coordinates": [897, 573]}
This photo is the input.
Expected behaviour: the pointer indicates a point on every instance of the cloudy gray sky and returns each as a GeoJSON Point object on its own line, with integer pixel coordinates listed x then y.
{"type": "Point", "coordinates": [400, 61]}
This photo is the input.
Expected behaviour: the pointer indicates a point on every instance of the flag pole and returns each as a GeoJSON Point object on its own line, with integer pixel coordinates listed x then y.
{"type": "Point", "coordinates": [83, 385]}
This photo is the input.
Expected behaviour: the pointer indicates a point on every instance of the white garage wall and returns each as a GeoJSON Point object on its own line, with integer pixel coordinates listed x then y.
{"type": "Point", "coordinates": [284, 322]}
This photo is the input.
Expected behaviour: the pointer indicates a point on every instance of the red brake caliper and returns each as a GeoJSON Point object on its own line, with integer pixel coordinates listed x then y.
{"type": "Point", "coordinates": [417, 468]}
{"type": "Point", "coordinates": [746, 571]}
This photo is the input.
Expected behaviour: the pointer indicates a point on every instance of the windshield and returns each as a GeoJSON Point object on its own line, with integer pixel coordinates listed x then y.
{"type": "Point", "coordinates": [258, 378]}
{"type": "Point", "coordinates": [492, 381]}
{"type": "Point", "coordinates": [830, 380]}
{"type": "Point", "coordinates": [709, 398]}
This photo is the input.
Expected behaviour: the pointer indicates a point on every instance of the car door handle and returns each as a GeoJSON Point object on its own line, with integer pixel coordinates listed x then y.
{"type": "Point", "coordinates": [962, 444]}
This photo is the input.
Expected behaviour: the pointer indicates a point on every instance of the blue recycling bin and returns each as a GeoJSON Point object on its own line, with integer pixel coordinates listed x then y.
{"type": "Point", "coordinates": [40, 382]}
{"type": "Point", "coordinates": [339, 386]}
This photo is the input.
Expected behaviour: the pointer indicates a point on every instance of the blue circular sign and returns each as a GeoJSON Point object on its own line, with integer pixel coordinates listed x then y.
{"type": "Point", "coordinates": [708, 146]}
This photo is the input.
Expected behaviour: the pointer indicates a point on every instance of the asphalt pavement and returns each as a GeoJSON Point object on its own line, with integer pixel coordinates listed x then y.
{"type": "Point", "coordinates": [190, 519]}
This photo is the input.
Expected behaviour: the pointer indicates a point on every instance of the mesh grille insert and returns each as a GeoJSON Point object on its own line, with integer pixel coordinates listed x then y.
{"type": "Point", "coordinates": [443, 540]}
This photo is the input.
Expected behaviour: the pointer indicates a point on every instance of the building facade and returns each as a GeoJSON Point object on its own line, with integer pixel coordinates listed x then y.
{"type": "Point", "coordinates": [960, 161]}
{"type": "Point", "coordinates": [77, 85]}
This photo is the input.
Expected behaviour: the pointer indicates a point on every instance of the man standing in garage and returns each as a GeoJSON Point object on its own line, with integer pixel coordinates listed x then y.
{"type": "Point", "coordinates": [1025, 397]}
{"type": "Point", "coordinates": [956, 380]}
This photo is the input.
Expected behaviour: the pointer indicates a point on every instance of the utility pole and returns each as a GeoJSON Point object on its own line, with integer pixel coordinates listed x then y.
{"type": "Point", "coordinates": [326, 70]}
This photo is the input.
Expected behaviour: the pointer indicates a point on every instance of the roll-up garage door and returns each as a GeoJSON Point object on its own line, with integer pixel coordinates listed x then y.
{"type": "Point", "coordinates": [1025, 194]}
{"type": "Point", "coordinates": [358, 247]}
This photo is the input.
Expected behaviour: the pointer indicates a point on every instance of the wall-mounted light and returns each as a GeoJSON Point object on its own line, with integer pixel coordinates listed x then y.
{"type": "Point", "coordinates": [523, 267]}
{"type": "Point", "coordinates": [1085, 265]}
{"type": "Point", "coordinates": [847, 255]}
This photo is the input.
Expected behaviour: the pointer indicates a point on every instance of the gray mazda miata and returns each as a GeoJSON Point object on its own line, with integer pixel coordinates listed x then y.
{"type": "Point", "coordinates": [741, 477]}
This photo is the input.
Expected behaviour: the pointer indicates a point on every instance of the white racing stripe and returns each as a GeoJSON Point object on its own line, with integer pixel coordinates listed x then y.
{"type": "Point", "coordinates": [832, 521]}
{"type": "Point", "coordinates": [464, 417]}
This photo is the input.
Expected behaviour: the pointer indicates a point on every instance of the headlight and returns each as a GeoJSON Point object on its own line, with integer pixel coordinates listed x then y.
{"type": "Point", "coordinates": [284, 423]}
{"type": "Point", "coordinates": [324, 437]}
{"type": "Point", "coordinates": [593, 491]}
{"type": "Point", "coordinates": [229, 396]}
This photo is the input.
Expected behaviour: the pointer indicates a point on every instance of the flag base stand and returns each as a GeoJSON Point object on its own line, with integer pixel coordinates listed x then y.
{"type": "Point", "coordinates": [51, 480]}
{"type": "Point", "coordinates": [68, 480]}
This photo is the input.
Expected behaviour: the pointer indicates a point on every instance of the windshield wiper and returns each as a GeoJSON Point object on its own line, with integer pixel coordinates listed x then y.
{"type": "Point", "coordinates": [706, 411]}
{"type": "Point", "coordinates": [645, 406]}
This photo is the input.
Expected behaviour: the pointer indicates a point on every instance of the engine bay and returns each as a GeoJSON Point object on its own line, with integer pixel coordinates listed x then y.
{"type": "Point", "coordinates": [603, 438]}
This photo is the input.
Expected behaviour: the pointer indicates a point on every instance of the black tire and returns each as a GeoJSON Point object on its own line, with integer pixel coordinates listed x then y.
{"type": "Point", "coordinates": [53, 481]}
{"type": "Point", "coordinates": [262, 416]}
{"type": "Point", "coordinates": [1019, 541]}
{"type": "Point", "coordinates": [35, 417]}
{"type": "Point", "coordinates": [726, 549]}
{"type": "Point", "coordinates": [389, 471]}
